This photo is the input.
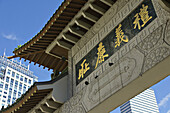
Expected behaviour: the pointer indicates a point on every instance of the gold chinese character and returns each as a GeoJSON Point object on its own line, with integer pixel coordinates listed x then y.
{"type": "Point", "coordinates": [144, 15]}
{"type": "Point", "coordinates": [120, 36]}
{"type": "Point", "coordinates": [136, 22]}
{"type": "Point", "coordinates": [101, 52]}
{"type": "Point", "coordinates": [84, 69]}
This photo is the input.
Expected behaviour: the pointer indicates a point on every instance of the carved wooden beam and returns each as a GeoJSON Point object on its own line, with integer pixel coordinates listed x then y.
{"type": "Point", "coordinates": [51, 104]}
{"type": "Point", "coordinates": [70, 38]}
{"type": "Point", "coordinates": [76, 32]}
{"type": "Point", "coordinates": [97, 9]}
{"type": "Point", "coordinates": [46, 109]}
{"type": "Point", "coordinates": [64, 45]}
{"type": "Point", "coordinates": [107, 2]}
{"type": "Point", "coordinates": [83, 24]}
{"type": "Point", "coordinates": [90, 17]}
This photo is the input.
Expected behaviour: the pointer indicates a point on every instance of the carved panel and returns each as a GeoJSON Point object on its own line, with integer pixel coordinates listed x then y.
{"type": "Point", "coordinates": [123, 50]}
{"type": "Point", "coordinates": [167, 33]}
{"type": "Point", "coordinates": [121, 4]}
{"type": "Point", "coordinates": [65, 108]}
{"type": "Point", "coordinates": [132, 43]}
{"type": "Point", "coordinates": [78, 109]}
{"type": "Point", "coordinates": [109, 26]}
{"type": "Point", "coordinates": [105, 91]}
{"type": "Point", "coordinates": [131, 65]}
{"type": "Point", "coordinates": [162, 13]}
{"type": "Point", "coordinates": [104, 86]}
{"type": "Point", "coordinates": [105, 65]}
{"type": "Point", "coordinates": [89, 35]}
{"type": "Point", "coordinates": [103, 33]}
{"type": "Point", "coordinates": [151, 40]}
{"type": "Point", "coordinates": [83, 51]}
{"type": "Point", "coordinates": [111, 12]}
{"type": "Point", "coordinates": [114, 77]}
{"type": "Point", "coordinates": [74, 104]}
{"type": "Point", "coordinates": [74, 50]}
{"type": "Point", "coordinates": [91, 97]}
{"type": "Point", "coordinates": [92, 43]}
{"type": "Point", "coordinates": [114, 58]}
{"type": "Point", "coordinates": [98, 25]}
{"type": "Point", "coordinates": [116, 84]}
{"type": "Point", "coordinates": [155, 56]}
{"type": "Point", "coordinates": [81, 43]}
{"type": "Point", "coordinates": [134, 3]}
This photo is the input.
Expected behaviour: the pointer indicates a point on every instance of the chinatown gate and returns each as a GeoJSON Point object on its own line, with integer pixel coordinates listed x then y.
{"type": "Point", "coordinates": [107, 50]}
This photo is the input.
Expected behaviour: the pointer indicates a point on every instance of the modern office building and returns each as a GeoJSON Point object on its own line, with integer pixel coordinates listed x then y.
{"type": "Point", "coordinates": [145, 102]}
{"type": "Point", "coordinates": [15, 79]}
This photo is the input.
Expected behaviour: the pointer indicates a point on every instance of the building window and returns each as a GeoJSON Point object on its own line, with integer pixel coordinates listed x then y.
{"type": "Point", "coordinates": [14, 95]}
{"type": "Point", "coordinates": [15, 87]}
{"type": "Point", "coordinates": [11, 85]}
{"type": "Point", "coordinates": [29, 81]}
{"type": "Point", "coordinates": [7, 79]}
{"type": "Point", "coordinates": [6, 86]}
{"type": "Point", "coordinates": [14, 99]}
{"type": "Point", "coordinates": [17, 76]}
{"type": "Point", "coordinates": [13, 74]}
{"type": "Point", "coordinates": [5, 92]}
{"type": "Point", "coordinates": [25, 86]}
{"type": "Point", "coordinates": [4, 96]}
{"type": "Point", "coordinates": [24, 90]}
{"type": "Point", "coordinates": [9, 97]}
{"type": "Point", "coordinates": [21, 78]}
{"type": "Point", "coordinates": [10, 91]}
{"type": "Point", "coordinates": [9, 72]}
{"type": "Point", "coordinates": [1, 85]}
{"type": "Point", "coordinates": [15, 92]}
{"type": "Point", "coordinates": [12, 81]}
{"type": "Point", "coordinates": [25, 80]}
{"type": "Point", "coordinates": [16, 83]}
{"type": "Point", "coordinates": [20, 86]}
{"type": "Point", "coordinates": [19, 94]}
{"type": "Point", "coordinates": [8, 102]}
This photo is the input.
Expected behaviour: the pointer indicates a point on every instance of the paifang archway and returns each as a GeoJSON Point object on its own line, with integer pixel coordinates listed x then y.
{"type": "Point", "coordinates": [112, 51]}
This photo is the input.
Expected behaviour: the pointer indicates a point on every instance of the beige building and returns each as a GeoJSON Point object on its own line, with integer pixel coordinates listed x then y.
{"type": "Point", "coordinates": [114, 49]}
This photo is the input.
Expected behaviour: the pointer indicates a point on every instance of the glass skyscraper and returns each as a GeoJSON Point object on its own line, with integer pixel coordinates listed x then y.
{"type": "Point", "coordinates": [15, 79]}
{"type": "Point", "coordinates": [145, 102]}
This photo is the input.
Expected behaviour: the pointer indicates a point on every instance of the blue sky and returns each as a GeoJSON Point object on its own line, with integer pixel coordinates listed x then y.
{"type": "Point", "coordinates": [20, 20]}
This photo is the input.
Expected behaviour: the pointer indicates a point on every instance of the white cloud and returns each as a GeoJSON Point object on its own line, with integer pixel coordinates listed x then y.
{"type": "Point", "coordinates": [168, 111]}
{"type": "Point", "coordinates": [164, 101]}
{"type": "Point", "coordinates": [10, 36]}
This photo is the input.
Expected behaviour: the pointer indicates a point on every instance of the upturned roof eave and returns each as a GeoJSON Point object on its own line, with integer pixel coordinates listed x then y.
{"type": "Point", "coordinates": [45, 29]}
